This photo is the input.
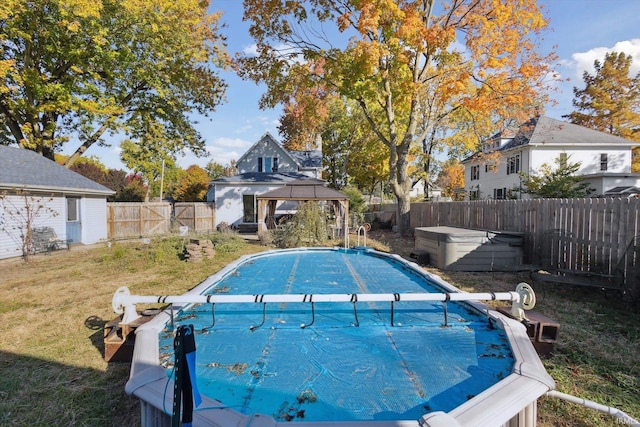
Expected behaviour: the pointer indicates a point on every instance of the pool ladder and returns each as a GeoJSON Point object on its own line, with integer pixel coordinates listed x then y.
{"type": "Point", "coordinates": [364, 235]}
{"type": "Point", "coordinates": [363, 229]}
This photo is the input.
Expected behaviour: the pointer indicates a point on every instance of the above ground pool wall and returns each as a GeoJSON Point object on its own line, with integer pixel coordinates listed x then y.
{"type": "Point", "coordinates": [459, 249]}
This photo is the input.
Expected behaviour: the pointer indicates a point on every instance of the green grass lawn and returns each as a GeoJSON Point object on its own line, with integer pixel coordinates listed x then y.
{"type": "Point", "coordinates": [53, 309]}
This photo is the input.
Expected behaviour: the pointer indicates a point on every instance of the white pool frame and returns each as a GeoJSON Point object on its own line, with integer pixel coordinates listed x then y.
{"type": "Point", "coordinates": [509, 403]}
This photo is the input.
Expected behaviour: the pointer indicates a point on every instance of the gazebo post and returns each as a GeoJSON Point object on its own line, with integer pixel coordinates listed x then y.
{"type": "Point", "coordinates": [262, 204]}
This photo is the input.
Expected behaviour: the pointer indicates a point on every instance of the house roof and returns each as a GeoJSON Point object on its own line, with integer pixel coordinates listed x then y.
{"type": "Point", "coordinates": [264, 178]}
{"type": "Point", "coordinates": [26, 169]}
{"type": "Point", "coordinates": [429, 184]}
{"type": "Point", "coordinates": [544, 130]}
{"type": "Point", "coordinates": [303, 190]}
{"type": "Point", "coordinates": [627, 189]}
{"type": "Point", "coordinates": [307, 158]}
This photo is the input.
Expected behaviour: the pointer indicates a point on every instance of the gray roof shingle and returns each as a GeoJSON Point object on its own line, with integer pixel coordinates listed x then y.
{"type": "Point", "coordinates": [264, 177]}
{"type": "Point", "coordinates": [546, 130]}
{"type": "Point", "coordinates": [26, 169]}
{"type": "Point", "coordinates": [307, 158]}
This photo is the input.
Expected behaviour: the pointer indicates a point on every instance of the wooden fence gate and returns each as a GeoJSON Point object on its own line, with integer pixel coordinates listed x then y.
{"type": "Point", "coordinates": [196, 216]}
{"type": "Point", "coordinates": [131, 219]}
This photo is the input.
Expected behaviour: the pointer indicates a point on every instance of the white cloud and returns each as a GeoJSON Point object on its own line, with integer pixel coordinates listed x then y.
{"type": "Point", "coordinates": [221, 150]}
{"type": "Point", "coordinates": [251, 50]}
{"type": "Point", "coordinates": [284, 49]}
{"type": "Point", "coordinates": [583, 61]}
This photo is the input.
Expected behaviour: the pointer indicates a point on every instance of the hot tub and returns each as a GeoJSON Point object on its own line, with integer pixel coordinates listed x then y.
{"type": "Point", "coordinates": [377, 352]}
{"type": "Point", "coordinates": [462, 249]}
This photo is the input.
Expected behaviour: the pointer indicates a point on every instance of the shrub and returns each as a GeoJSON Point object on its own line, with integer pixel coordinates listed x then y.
{"type": "Point", "coordinates": [309, 226]}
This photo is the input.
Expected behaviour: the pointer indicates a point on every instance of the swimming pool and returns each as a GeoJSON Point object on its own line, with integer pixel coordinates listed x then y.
{"type": "Point", "coordinates": [356, 362]}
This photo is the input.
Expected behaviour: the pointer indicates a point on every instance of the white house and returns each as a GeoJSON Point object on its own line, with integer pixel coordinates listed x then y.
{"type": "Point", "coordinates": [75, 207]}
{"type": "Point", "coordinates": [494, 173]}
{"type": "Point", "coordinates": [434, 193]}
{"type": "Point", "coordinates": [266, 166]}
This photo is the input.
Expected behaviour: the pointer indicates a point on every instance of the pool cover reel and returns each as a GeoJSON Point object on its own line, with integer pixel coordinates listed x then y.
{"type": "Point", "coordinates": [523, 298]}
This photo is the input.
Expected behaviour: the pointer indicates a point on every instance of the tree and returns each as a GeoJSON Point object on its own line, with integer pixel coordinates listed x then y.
{"type": "Point", "coordinates": [351, 151]}
{"type": "Point", "coordinates": [153, 156]}
{"type": "Point", "coordinates": [116, 180]}
{"type": "Point", "coordinates": [193, 185]}
{"type": "Point", "coordinates": [560, 182]}
{"type": "Point", "coordinates": [135, 189]}
{"type": "Point", "coordinates": [72, 70]}
{"type": "Point", "coordinates": [451, 179]}
{"type": "Point", "coordinates": [216, 170]}
{"type": "Point", "coordinates": [610, 100]}
{"type": "Point", "coordinates": [395, 50]}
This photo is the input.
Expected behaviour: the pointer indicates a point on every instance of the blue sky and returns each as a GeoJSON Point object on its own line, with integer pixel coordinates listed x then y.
{"type": "Point", "coordinates": [580, 31]}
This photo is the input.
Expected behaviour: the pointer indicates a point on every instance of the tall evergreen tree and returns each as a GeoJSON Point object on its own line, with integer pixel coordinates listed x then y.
{"type": "Point", "coordinates": [610, 100]}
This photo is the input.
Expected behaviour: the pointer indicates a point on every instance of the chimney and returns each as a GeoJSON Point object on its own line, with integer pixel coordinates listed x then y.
{"type": "Point", "coordinates": [318, 142]}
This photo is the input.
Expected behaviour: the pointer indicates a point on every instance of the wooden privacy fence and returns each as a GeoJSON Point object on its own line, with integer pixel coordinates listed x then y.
{"type": "Point", "coordinates": [196, 216]}
{"type": "Point", "coordinates": [593, 234]}
{"type": "Point", "coordinates": [127, 220]}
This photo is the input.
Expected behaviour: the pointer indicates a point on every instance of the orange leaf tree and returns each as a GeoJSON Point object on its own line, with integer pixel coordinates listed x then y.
{"type": "Point", "coordinates": [406, 64]}
{"type": "Point", "coordinates": [193, 185]}
{"type": "Point", "coordinates": [451, 178]}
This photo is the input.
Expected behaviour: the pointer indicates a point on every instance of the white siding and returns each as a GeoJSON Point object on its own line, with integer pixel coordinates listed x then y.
{"type": "Point", "coordinates": [492, 177]}
{"type": "Point", "coordinates": [52, 214]}
{"type": "Point", "coordinates": [266, 148]}
{"type": "Point", "coordinates": [229, 206]}
{"type": "Point", "coordinates": [94, 219]}
{"type": "Point", "coordinates": [619, 159]}
{"type": "Point", "coordinates": [532, 158]}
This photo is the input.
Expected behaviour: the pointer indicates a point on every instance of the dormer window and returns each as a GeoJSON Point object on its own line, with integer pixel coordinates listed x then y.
{"type": "Point", "coordinates": [267, 164]}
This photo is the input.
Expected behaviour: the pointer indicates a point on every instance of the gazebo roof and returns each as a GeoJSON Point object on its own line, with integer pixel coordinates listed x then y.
{"type": "Point", "coordinates": [303, 190]}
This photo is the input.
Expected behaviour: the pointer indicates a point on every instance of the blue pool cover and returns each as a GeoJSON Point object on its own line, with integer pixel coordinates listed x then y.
{"type": "Point", "coordinates": [351, 363]}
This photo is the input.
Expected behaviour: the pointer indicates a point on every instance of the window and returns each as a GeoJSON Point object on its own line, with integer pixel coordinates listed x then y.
{"type": "Point", "coordinates": [513, 164]}
{"type": "Point", "coordinates": [72, 209]}
{"type": "Point", "coordinates": [489, 168]}
{"type": "Point", "coordinates": [604, 161]}
{"type": "Point", "coordinates": [267, 164]}
{"type": "Point", "coordinates": [499, 193]}
{"type": "Point", "coordinates": [474, 195]}
{"type": "Point", "coordinates": [475, 173]}
{"type": "Point", "coordinates": [249, 208]}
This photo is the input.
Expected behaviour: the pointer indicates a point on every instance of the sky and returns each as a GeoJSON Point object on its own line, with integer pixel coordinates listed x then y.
{"type": "Point", "coordinates": [580, 31]}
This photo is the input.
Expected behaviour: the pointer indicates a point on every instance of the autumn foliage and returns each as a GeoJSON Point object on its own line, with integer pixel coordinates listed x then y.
{"type": "Point", "coordinates": [407, 65]}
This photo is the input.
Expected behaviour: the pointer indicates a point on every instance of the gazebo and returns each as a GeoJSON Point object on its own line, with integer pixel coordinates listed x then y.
{"type": "Point", "coordinates": [301, 190]}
